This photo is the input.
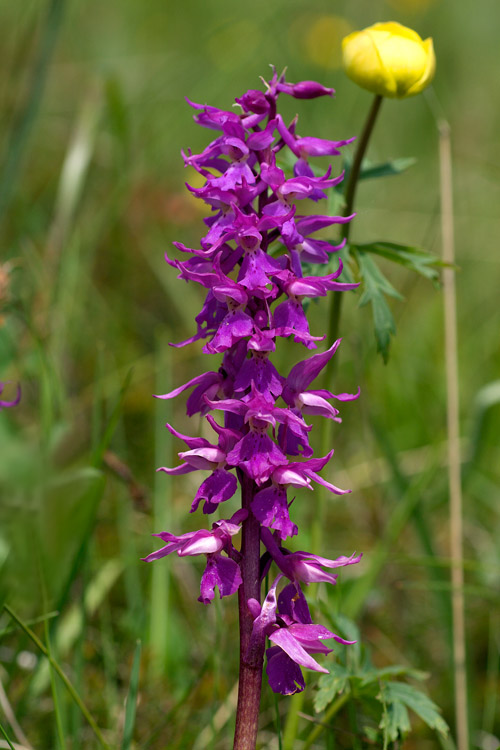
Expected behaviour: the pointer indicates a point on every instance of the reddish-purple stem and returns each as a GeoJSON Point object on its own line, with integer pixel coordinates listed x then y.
{"type": "Point", "coordinates": [250, 679]}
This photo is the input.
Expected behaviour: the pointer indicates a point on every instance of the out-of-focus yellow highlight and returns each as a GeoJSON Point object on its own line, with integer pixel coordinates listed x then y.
{"type": "Point", "coordinates": [318, 40]}
{"type": "Point", "coordinates": [235, 41]}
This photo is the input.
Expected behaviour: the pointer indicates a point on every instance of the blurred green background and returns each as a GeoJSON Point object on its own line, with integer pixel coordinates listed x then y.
{"type": "Point", "coordinates": [91, 196]}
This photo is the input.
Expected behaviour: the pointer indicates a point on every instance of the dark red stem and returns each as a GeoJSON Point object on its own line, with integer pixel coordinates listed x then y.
{"type": "Point", "coordinates": [250, 680]}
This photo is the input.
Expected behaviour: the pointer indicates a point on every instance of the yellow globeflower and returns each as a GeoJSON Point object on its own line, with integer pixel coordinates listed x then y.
{"type": "Point", "coordinates": [389, 59]}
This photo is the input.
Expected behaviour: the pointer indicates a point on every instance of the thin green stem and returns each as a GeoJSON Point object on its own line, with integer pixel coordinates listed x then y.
{"type": "Point", "coordinates": [332, 711]}
{"type": "Point", "coordinates": [55, 697]}
{"type": "Point", "coordinates": [2, 730]}
{"type": "Point", "coordinates": [61, 674]}
{"type": "Point", "coordinates": [334, 315]}
{"type": "Point", "coordinates": [335, 309]}
{"type": "Point", "coordinates": [350, 194]}
{"type": "Point", "coordinates": [352, 182]}
{"type": "Point", "coordinates": [290, 732]}
{"type": "Point", "coordinates": [278, 721]}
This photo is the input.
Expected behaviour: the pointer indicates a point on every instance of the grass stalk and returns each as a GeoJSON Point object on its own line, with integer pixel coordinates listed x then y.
{"type": "Point", "coordinates": [332, 711]}
{"type": "Point", "coordinates": [160, 593]}
{"type": "Point", "coordinates": [334, 314]}
{"type": "Point", "coordinates": [402, 512]}
{"type": "Point", "coordinates": [54, 690]}
{"type": "Point", "coordinates": [278, 722]}
{"type": "Point", "coordinates": [71, 690]}
{"type": "Point", "coordinates": [453, 430]}
{"type": "Point", "coordinates": [131, 702]}
{"type": "Point", "coordinates": [335, 309]}
{"type": "Point", "coordinates": [2, 730]}
{"type": "Point", "coordinates": [11, 718]}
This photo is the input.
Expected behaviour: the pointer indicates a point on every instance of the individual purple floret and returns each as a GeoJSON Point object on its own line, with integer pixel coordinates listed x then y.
{"type": "Point", "coordinates": [261, 230]}
{"type": "Point", "coordinates": [14, 402]}
{"type": "Point", "coordinates": [287, 623]}
{"type": "Point", "coordinates": [304, 566]}
{"type": "Point", "coordinates": [220, 571]}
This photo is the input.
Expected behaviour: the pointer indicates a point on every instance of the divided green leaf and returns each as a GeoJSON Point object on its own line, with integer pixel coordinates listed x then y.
{"type": "Point", "coordinates": [375, 287]}
{"type": "Point", "coordinates": [394, 670]}
{"type": "Point", "coordinates": [397, 697]}
{"type": "Point", "coordinates": [414, 258]}
{"type": "Point", "coordinates": [330, 685]}
{"type": "Point", "coordinates": [354, 675]}
{"type": "Point", "coordinates": [389, 168]}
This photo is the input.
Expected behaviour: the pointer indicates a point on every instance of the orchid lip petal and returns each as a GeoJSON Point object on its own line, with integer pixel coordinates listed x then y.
{"type": "Point", "coordinates": [291, 646]}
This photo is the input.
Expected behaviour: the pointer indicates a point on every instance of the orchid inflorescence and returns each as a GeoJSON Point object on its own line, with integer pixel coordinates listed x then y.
{"type": "Point", "coordinates": [251, 263]}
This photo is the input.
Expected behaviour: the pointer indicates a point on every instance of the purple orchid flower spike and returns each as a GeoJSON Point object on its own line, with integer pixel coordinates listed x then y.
{"type": "Point", "coordinates": [250, 264]}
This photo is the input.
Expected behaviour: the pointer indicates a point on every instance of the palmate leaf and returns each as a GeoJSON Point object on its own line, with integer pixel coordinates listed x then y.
{"type": "Point", "coordinates": [330, 685]}
{"type": "Point", "coordinates": [393, 670]}
{"type": "Point", "coordinates": [396, 698]}
{"type": "Point", "coordinates": [389, 168]}
{"type": "Point", "coordinates": [375, 287]}
{"type": "Point", "coordinates": [414, 258]}
{"type": "Point", "coordinates": [384, 702]}
{"type": "Point", "coordinates": [386, 169]}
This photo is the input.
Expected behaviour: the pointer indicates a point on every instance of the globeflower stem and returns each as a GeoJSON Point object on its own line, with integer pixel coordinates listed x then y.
{"type": "Point", "coordinates": [251, 663]}
{"type": "Point", "coordinates": [350, 194]}
{"type": "Point", "coordinates": [334, 315]}
{"type": "Point", "coordinates": [336, 302]}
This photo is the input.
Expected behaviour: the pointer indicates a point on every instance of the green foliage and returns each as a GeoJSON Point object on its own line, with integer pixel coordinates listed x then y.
{"type": "Point", "coordinates": [375, 287]}
{"type": "Point", "coordinates": [377, 697]}
{"type": "Point", "coordinates": [385, 169]}
{"type": "Point", "coordinates": [131, 703]}
{"type": "Point", "coordinates": [414, 258]}
{"type": "Point", "coordinates": [396, 698]}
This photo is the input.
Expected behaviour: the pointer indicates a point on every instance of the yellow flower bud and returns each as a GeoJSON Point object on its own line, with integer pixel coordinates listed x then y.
{"type": "Point", "coordinates": [389, 59]}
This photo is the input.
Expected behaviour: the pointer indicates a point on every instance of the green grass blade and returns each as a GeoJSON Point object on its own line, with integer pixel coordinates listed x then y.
{"type": "Point", "coordinates": [162, 503]}
{"type": "Point", "coordinates": [354, 599]}
{"type": "Point", "coordinates": [53, 683]}
{"type": "Point", "coordinates": [34, 621]}
{"type": "Point", "coordinates": [111, 426]}
{"type": "Point", "coordinates": [71, 690]}
{"type": "Point", "coordinates": [94, 495]}
{"type": "Point", "coordinates": [295, 706]}
{"type": "Point", "coordinates": [2, 730]}
{"type": "Point", "coordinates": [131, 703]}
{"type": "Point", "coordinates": [54, 690]}
{"type": "Point", "coordinates": [278, 721]}
{"type": "Point", "coordinates": [23, 123]}
{"type": "Point", "coordinates": [418, 518]}
{"type": "Point", "coordinates": [332, 711]}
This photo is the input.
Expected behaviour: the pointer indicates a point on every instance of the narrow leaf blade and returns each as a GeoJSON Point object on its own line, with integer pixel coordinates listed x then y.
{"type": "Point", "coordinates": [131, 703]}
